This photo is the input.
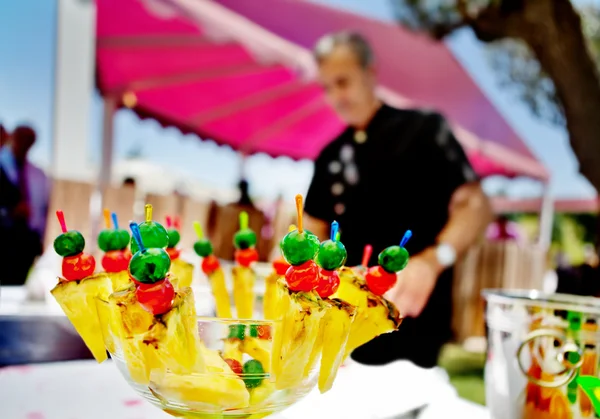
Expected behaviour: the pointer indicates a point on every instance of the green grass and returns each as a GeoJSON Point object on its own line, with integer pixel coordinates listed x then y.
{"type": "Point", "coordinates": [466, 372]}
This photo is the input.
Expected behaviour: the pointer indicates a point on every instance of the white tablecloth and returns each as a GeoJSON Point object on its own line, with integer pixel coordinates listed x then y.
{"type": "Point", "coordinates": [85, 389]}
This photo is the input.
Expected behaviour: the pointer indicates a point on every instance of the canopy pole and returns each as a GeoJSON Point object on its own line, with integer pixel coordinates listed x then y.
{"type": "Point", "coordinates": [546, 218]}
{"type": "Point", "coordinates": [105, 170]}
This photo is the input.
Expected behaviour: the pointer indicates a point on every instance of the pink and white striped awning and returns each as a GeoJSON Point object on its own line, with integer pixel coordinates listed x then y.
{"type": "Point", "coordinates": [216, 70]}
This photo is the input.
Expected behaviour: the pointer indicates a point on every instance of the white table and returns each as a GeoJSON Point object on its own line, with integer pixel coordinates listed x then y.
{"type": "Point", "coordinates": [85, 389]}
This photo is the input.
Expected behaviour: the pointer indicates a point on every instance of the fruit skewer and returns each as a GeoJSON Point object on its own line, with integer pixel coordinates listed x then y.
{"type": "Point", "coordinates": [113, 241]}
{"type": "Point", "coordinates": [212, 268]}
{"type": "Point", "coordinates": [243, 275]}
{"type": "Point", "coordinates": [182, 270]}
{"type": "Point", "coordinates": [270, 301]}
{"type": "Point", "coordinates": [78, 288]}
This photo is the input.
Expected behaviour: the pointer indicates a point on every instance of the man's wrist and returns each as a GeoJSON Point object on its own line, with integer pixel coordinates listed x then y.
{"type": "Point", "coordinates": [429, 255]}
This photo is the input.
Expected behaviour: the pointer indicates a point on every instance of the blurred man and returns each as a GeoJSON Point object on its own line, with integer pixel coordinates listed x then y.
{"type": "Point", "coordinates": [391, 170]}
{"type": "Point", "coordinates": [23, 207]}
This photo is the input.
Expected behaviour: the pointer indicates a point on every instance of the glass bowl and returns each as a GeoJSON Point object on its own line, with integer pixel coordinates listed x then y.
{"type": "Point", "coordinates": [191, 376]}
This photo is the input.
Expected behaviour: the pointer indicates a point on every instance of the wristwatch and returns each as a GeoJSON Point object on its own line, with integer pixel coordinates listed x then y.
{"type": "Point", "coordinates": [445, 254]}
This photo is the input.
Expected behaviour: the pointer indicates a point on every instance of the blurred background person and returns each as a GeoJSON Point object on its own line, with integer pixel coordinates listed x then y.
{"type": "Point", "coordinates": [410, 161]}
{"type": "Point", "coordinates": [23, 207]}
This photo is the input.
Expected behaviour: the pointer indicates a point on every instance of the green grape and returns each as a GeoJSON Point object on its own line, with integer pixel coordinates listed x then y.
{"type": "Point", "coordinates": [153, 235]}
{"type": "Point", "coordinates": [110, 239]}
{"type": "Point", "coordinates": [203, 248]}
{"type": "Point", "coordinates": [393, 259]}
{"type": "Point", "coordinates": [150, 266]}
{"type": "Point", "coordinates": [253, 373]}
{"type": "Point", "coordinates": [244, 239]}
{"type": "Point", "coordinates": [237, 331]}
{"type": "Point", "coordinates": [331, 255]}
{"type": "Point", "coordinates": [70, 243]}
{"type": "Point", "coordinates": [174, 237]}
{"type": "Point", "coordinates": [298, 248]}
{"type": "Point", "coordinates": [121, 239]}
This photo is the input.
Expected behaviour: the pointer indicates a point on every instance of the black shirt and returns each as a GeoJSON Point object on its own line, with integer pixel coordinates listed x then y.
{"type": "Point", "coordinates": [402, 177]}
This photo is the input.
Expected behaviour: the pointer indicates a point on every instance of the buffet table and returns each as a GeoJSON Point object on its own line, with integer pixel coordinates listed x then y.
{"type": "Point", "coordinates": [34, 333]}
{"type": "Point", "coordinates": [85, 389]}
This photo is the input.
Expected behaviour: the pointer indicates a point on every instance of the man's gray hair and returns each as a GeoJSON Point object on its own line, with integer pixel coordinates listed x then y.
{"type": "Point", "coordinates": [355, 41]}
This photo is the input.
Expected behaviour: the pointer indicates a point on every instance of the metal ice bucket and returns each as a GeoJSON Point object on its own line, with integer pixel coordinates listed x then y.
{"type": "Point", "coordinates": [543, 355]}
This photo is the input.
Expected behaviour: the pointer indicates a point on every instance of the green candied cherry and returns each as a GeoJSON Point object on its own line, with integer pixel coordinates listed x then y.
{"type": "Point", "coordinates": [113, 239]}
{"type": "Point", "coordinates": [203, 248]}
{"type": "Point", "coordinates": [253, 373]}
{"type": "Point", "coordinates": [237, 331]}
{"type": "Point", "coordinates": [244, 239]}
{"type": "Point", "coordinates": [70, 243]}
{"type": "Point", "coordinates": [331, 255]}
{"type": "Point", "coordinates": [393, 258]}
{"type": "Point", "coordinates": [174, 237]}
{"type": "Point", "coordinates": [299, 247]}
{"type": "Point", "coordinates": [150, 266]}
{"type": "Point", "coordinates": [153, 235]}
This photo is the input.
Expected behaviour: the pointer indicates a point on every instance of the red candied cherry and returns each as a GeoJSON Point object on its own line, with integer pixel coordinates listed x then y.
{"type": "Point", "coordinates": [156, 298]}
{"type": "Point", "coordinates": [281, 266]}
{"type": "Point", "coordinates": [379, 280]}
{"type": "Point", "coordinates": [116, 260]}
{"type": "Point", "coordinates": [75, 268]}
{"type": "Point", "coordinates": [245, 257]}
{"type": "Point", "coordinates": [303, 277]}
{"type": "Point", "coordinates": [210, 264]}
{"type": "Point", "coordinates": [235, 366]}
{"type": "Point", "coordinates": [329, 282]}
{"type": "Point", "coordinates": [173, 252]}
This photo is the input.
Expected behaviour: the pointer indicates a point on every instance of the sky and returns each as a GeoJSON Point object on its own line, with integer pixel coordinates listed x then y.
{"type": "Point", "coordinates": [26, 94]}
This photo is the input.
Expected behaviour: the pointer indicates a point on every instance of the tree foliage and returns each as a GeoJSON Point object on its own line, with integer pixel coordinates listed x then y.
{"type": "Point", "coordinates": [546, 51]}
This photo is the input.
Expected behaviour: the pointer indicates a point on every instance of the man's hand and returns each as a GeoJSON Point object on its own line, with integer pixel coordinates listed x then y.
{"type": "Point", "coordinates": [415, 284]}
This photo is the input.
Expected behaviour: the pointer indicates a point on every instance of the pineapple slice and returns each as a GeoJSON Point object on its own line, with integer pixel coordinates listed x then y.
{"type": "Point", "coordinates": [212, 384]}
{"type": "Point", "coordinates": [261, 394]}
{"type": "Point", "coordinates": [167, 341]}
{"type": "Point", "coordinates": [270, 297]}
{"type": "Point", "coordinates": [78, 301]}
{"type": "Point", "coordinates": [220, 294]}
{"type": "Point", "coordinates": [232, 349]}
{"type": "Point", "coordinates": [119, 280]}
{"type": "Point", "coordinates": [259, 349]}
{"type": "Point", "coordinates": [295, 335]}
{"type": "Point", "coordinates": [183, 271]}
{"type": "Point", "coordinates": [335, 327]}
{"type": "Point", "coordinates": [375, 315]}
{"type": "Point", "coordinates": [243, 291]}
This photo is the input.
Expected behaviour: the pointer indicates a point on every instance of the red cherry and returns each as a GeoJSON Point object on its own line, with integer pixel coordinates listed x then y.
{"type": "Point", "coordinates": [379, 280]}
{"type": "Point", "coordinates": [75, 268]}
{"type": "Point", "coordinates": [210, 264]}
{"type": "Point", "coordinates": [281, 266]}
{"type": "Point", "coordinates": [329, 282]}
{"type": "Point", "coordinates": [246, 257]}
{"type": "Point", "coordinates": [173, 252]}
{"type": "Point", "coordinates": [302, 277]}
{"type": "Point", "coordinates": [156, 298]}
{"type": "Point", "coordinates": [116, 260]}
{"type": "Point", "coordinates": [235, 366]}
{"type": "Point", "coordinates": [263, 331]}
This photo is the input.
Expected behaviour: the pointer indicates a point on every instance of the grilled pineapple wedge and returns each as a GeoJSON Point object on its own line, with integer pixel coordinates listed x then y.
{"type": "Point", "coordinates": [119, 280]}
{"type": "Point", "coordinates": [78, 301]}
{"type": "Point", "coordinates": [183, 271]}
{"type": "Point", "coordinates": [212, 385]}
{"type": "Point", "coordinates": [295, 334]}
{"type": "Point", "coordinates": [375, 315]}
{"type": "Point", "coordinates": [335, 328]}
{"type": "Point", "coordinates": [270, 297]}
{"type": "Point", "coordinates": [148, 342]}
{"type": "Point", "coordinates": [232, 349]}
{"type": "Point", "coordinates": [243, 291]}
